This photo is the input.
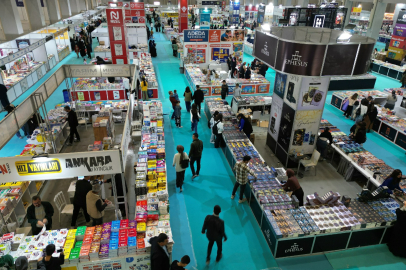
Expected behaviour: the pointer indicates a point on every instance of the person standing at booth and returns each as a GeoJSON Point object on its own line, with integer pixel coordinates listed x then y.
{"type": "Point", "coordinates": [39, 214]}
{"type": "Point", "coordinates": [144, 89]}
{"type": "Point", "coordinates": [224, 90]}
{"type": "Point", "coordinates": [198, 97]}
{"type": "Point", "coordinates": [95, 204]}
{"type": "Point", "coordinates": [73, 124]}
{"type": "Point", "coordinates": [79, 200]}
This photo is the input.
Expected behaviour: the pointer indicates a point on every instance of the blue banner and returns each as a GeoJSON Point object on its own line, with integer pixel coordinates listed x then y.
{"type": "Point", "coordinates": [196, 35]}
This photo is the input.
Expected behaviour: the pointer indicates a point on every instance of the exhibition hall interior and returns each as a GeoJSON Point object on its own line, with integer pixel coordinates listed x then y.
{"type": "Point", "coordinates": [176, 134]}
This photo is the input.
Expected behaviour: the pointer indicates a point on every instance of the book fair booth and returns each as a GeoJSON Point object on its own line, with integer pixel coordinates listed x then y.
{"type": "Point", "coordinates": [301, 84]}
{"type": "Point", "coordinates": [121, 243]}
{"type": "Point", "coordinates": [209, 50]}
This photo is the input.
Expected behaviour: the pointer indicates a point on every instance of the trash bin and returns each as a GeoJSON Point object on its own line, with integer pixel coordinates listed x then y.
{"type": "Point", "coordinates": [66, 95]}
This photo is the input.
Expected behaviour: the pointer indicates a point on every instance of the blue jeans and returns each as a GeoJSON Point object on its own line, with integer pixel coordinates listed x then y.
{"type": "Point", "coordinates": [173, 114]}
{"type": "Point", "coordinates": [187, 106]}
{"type": "Point", "coordinates": [194, 125]}
{"type": "Point", "coordinates": [18, 134]}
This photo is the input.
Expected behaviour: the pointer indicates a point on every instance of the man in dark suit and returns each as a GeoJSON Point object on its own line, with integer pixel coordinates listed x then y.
{"type": "Point", "coordinates": [215, 233]}
{"type": "Point", "coordinates": [159, 252]}
{"type": "Point", "coordinates": [73, 125]}
{"type": "Point", "coordinates": [198, 97]}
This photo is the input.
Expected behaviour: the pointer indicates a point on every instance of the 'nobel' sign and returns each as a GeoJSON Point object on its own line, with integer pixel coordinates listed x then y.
{"type": "Point", "coordinates": [25, 168]}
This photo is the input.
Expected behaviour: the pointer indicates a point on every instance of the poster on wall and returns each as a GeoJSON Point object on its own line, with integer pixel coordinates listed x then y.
{"type": "Point", "coordinates": [275, 118]}
{"type": "Point", "coordinates": [248, 89]}
{"type": "Point", "coordinates": [280, 84]}
{"type": "Point", "coordinates": [313, 93]}
{"type": "Point", "coordinates": [204, 21]}
{"type": "Point", "coordinates": [216, 90]}
{"type": "Point", "coordinates": [220, 54]}
{"type": "Point", "coordinates": [138, 262]}
{"type": "Point", "coordinates": [23, 43]}
{"type": "Point", "coordinates": [196, 35]}
{"type": "Point", "coordinates": [205, 90]}
{"type": "Point", "coordinates": [214, 35]}
{"type": "Point", "coordinates": [198, 54]}
{"type": "Point", "coordinates": [238, 49]}
{"type": "Point", "coordinates": [292, 91]}
{"type": "Point", "coordinates": [286, 126]}
{"type": "Point", "coordinates": [232, 35]}
{"type": "Point", "coordinates": [263, 88]}
{"type": "Point", "coordinates": [305, 131]}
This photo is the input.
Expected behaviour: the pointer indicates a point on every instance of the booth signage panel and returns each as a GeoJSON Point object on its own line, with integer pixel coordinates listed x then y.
{"type": "Point", "coordinates": [401, 140]}
{"type": "Point", "coordinates": [340, 59]}
{"type": "Point", "coordinates": [117, 35]}
{"type": "Point", "coordinates": [196, 36]}
{"type": "Point", "coordinates": [401, 18]}
{"type": "Point", "coordinates": [294, 247]}
{"type": "Point", "coordinates": [21, 52]}
{"type": "Point", "coordinates": [183, 15]}
{"type": "Point", "coordinates": [60, 166]}
{"type": "Point", "coordinates": [398, 42]}
{"type": "Point", "coordinates": [261, 13]}
{"type": "Point", "coordinates": [214, 35]}
{"type": "Point", "coordinates": [388, 132]}
{"type": "Point", "coordinates": [115, 70]}
{"type": "Point", "coordinates": [336, 101]}
{"type": "Point", "coordinates": [137, 5]}
{"type": "Point", "coordinates": [400, 30]}
{"type": "Point", "coordinates": [83, 71]}
{"type": "Point", "coordinates": [363, 59]}
{"type": "Point", "coordinates": [265, 48]}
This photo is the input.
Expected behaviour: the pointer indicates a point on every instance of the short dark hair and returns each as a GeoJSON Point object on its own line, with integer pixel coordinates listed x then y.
{"type": "Point", "coordinates": [326, 129]}
{"type": "Point", "coordinates": [246, 158]}
{"type": "Point", "coordinates": [196, 135]}
{"type": "Point", "coordinates": [224, 80]}
{"type": "Point", "coordinates": [185, 259]}
{"type": "Point", "coordinates": [217, 209]}
{"type": "Point", "coordinates": [36, 197]}
{"type": "Point", "coordinates": [162, 237]}
{"type": "Point", "coordinates": [67, 108]}
{"type": "Point", "coordinates": [50, 249]}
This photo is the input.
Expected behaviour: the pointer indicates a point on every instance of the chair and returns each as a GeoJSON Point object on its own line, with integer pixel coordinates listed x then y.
{"type": "Point", "coordinates": [312, 162]}
{"type": "Point", "coordinates": [63, 207]}
{"type": "Point", "coordinates": [118, 116]}
{"type": "Point", "coordinates": [256, 116]}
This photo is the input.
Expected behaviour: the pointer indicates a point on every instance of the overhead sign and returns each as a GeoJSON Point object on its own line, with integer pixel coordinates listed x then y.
{"type": "Point", "coordinates": [265, 47]}
{"type": "Point", "coordinates": [183, 15]}
{"type": "Point", "coordinates": [59, 166]}
{"type": "Point", "coordinates": [115, 70]}
{"type": "Point", "coordinates": [196, 35]}
{"type": "Point", "coordinates": [88, 71]}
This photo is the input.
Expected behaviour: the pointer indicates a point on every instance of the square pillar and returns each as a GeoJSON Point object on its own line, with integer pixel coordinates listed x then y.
{"type": "Point", "coordinates": [10, 19]}
{"type": "Point", "coordinates": [348, 5]}
{"type": "Point", "coordinates": [65, 8]}
{"type": "Point", "coordinates": [377, 20]}
{"type": "Point", "coordinates": [35, 12]}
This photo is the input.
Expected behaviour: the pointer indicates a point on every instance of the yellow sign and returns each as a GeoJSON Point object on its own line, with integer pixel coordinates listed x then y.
{"type": "Point", "coordinates": [170, 14]}
{"type": "Point", "coordinates": [356, 9]}
{"type": "Point", "coordinates": [48, 166]}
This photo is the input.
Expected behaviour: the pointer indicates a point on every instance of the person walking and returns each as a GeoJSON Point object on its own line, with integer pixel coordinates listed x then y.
{"type": "Point", "coordinates": [224, 90]}
{"type": "Point", "coordinates": [39, 214]}
{"type": "Point", "coordinates": [144, 89]}
{"type": "Point", "coordinates": [73, 124]}
{"type": "Point", "coordinates": [180, 265]}
{"type": "Point", "coordinates": [160, 259]}
{"type": "Point", "coordinates": [194, 117]}
{"type": "Point", "coordinates": [241, 70]}
{"type": "Point", "coordinates": [211, 124]}
{"type": "Point", "coordinates": [233, 65]}
{"type": "Point", "coordinates": [195, 154]}
{"type": "Point", "coordinates": [293, 185]}
{"type": "Point", "coordinates": [350, 106]}
{"type": "Point", "coordinates": [175, 49]}
{"type": "Point", "coordinates": [218, 129]}
{"type": "Point", "coordinates": [244, 125]}
{"type": "Point", "coordinates": [241, 177]}
{"type": "Point", "coordinates": [188, 98]}
{"type": "Point", "coordinates": [198, 97]}
{"type": "Point", "coordinates": [95, 204]}
{"type": "Point", "coordinates": [173, 101]}
{"type": "Point", "coordinates": [248, 73]}
{"type": "Point", "coordinates": [51, 262]}
{"type": "Point", "coordinates": [322, 143]}
{"type": "Point", "coordinates": [179, 161]}
{"type": "Point", "coordinates": [177, 113]}
{"type": "Point", "coordinates": [79, 200]}
{"type": "Point", "coordinates": [213, 227]}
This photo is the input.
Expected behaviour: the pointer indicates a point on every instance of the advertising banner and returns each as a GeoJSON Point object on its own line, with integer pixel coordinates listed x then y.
{"type": "Point", "coordinates": [313, 93]}
{"type": "Point", "coordinates": [275, 118]}
{"type": "Point", "coordinates": [340, 59]}
{"type": "Point", "coordinates": [280, 84]}
{"type": "Point", "coordinates": [300, 59]}
{"type": "Point", "coordinates": [117, 35]}
{"type": "Point", "coordinates": [398, 42]}
{"type": "Point", "coordinates": [400, 30]}
{"type": "Point", "coordinates": [292, 90]}
{"type": "Point", "coordinates": [59, 166]}
{"type": "Point", "coordinates": [220, 54]}
{"type": "Point", "coordinates": [183, 15]}
{"type": "Point", "coordinates": [261, 13]}
{"type": "Point", "coordinates": [395, 53]}
{"type": "Point", "coordinates": [204, 21]}
{"type": "Point", "coordinates": [196, 35]}
{"type": "Point", "coordinates": [265, 48]}
{"type": "Point", "coordinates": [401, 19]}
{"type": "Point", "coordinates": [305, 130]}
{"type": "Point", "coordinates": [286, 126]}
{"type": "Point", "coordinates": [214, 35]}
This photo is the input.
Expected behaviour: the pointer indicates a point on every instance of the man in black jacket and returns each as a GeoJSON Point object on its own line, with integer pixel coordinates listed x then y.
{"type": "Point", "coordinates": [39, 214]}
{"type": "Point", "coordinates": [233, 66]}
{"type": "Point", "coordinates": [159, 252]}
{"type": "Point", "coordinates": [195, 154]}
{"type": "Point", "coordinates": [198, 97]}
{"type": "Point", "coordinates": [79, 200]}
{"type": "Point", "coordinates": [224, 90]}
{"type": "Point", "coordinates": [73, 124]}
{"type": "Point", "coordinates": [263, 69]}
{"type": "Point", "coordinates": [215, 233]}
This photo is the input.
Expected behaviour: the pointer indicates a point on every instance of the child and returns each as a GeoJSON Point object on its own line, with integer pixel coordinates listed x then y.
{"type": "Point", "coordinates": [175, 94]}
{"type": "Point", "coordinates": [177, 114]}
{"type": "Point", "coordinates": [180, 265]}
{"type": "Point", "coordinates": [84, 61]}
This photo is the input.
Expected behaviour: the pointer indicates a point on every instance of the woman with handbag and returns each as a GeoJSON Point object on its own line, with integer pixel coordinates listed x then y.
{"type": "Point", "coordinates": [180, 162]}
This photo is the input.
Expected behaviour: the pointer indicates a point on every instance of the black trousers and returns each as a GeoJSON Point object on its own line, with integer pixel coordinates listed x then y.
{"type": "Point", "coordinates": [299, 195]}
{"type": "Point", "coordinates": [97, 221]}
{"type": "Point", "coordinates": [192, 163]}
{"type": "Point", "coordinates": [199, 106]}
{"type": "Point", "coordinates": [223, 95]}
{"type": "Point", "coordinates": [242, 189]}
{"type": "Point", "coordinates": [76, 209]}
{"type": "Point", "coordinates": [219, 248]}
{"type": "Point", "coordinates": [217, 142]}
{"type": "Point", "coordinates": [180, 177]}
{"type": "Point", "coordinates": [232, 72]}
{"type": "Point", "coordinates": [73, 131]}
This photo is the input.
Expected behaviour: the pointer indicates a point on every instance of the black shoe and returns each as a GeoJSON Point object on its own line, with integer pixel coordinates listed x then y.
{"type": "Point", "coordinates": [218, 259]}
{"type": "Point", "coordinates": [207, 261]}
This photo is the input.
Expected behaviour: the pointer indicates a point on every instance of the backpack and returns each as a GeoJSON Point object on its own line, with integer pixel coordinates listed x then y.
{"type": "Point", "coordinates": [215, 129]}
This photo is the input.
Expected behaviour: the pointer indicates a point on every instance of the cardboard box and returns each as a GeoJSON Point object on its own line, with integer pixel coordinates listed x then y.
{"type": "Point", "coordinates": [252, 138]}
{"type": "Point", "coordinates": [102, 43]}
{"type": "Point", "coordinates": [263, 123]}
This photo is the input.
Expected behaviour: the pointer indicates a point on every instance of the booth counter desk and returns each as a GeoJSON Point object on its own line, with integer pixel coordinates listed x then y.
{"type": "Point", "coordinates": [257, 85]}
{"type": "Point", "coordinates": [387, 69]}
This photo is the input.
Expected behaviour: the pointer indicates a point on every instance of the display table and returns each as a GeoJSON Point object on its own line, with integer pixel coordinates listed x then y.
{"type": "Point", "coordinates": [63, 51]}
{"type": "Point", "coordinates": [256, 85]}
{"type": "Point", "coordinates": [51, 61]}
{"type": "Point", "coordinates": [366, 81]}
{"type": "Point", "coordinates": [338, 98]}
{"type": "Point", "coordinates": [147, 70]}
{"type": "Point", "coordinates": [388, 69]}
{"type": "Point", "coordinates": [250, 101]}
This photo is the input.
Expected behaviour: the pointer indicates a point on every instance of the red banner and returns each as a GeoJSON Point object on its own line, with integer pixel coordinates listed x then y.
{"type": "Point", "coordinates": [138, 13]}
{"type": "Point", "coordinates": [214, 35]}
{"type": "Point", "coordinates": [183, 13]}
{"type": "Point", "coordinates": [137, 5]}
{"type": "Point", "coordinates": [398, 42]}
{"type": "Point", "coordinates": [117, 35]}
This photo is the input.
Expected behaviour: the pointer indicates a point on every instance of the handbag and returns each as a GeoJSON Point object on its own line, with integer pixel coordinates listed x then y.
{"type": "Point", "coordinates": [184, 163]}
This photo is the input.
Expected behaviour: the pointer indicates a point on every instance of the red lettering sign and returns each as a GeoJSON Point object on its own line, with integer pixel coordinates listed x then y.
{"type": "Point", "coordinates": [137, 5]}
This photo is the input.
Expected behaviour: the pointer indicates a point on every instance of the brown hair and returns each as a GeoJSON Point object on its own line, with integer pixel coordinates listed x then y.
{"type": "Point", "coordinates": [180, 149]}
{"type": "Point", "coordinates": [355, 96]}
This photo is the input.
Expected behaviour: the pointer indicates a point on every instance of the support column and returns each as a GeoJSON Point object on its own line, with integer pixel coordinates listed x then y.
{"type": "Point", "coordinates": [348, 5]}
{"type": "Point", "coordinates": [376, 19]}
{"type": "Point", "coordinates": [54, 11]}
{"type": "Point", "coordinates": [65, 8]}
{"type": "Point", "coordinates": [10, 19]}
{"type": "Point", "coordinates": [74, 6]}
{"type": "Point", "coordinates": [35, 12]}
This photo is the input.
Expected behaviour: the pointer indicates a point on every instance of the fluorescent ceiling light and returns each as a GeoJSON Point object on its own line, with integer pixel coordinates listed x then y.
{"type": "Point", "coordinates": [157, 3]}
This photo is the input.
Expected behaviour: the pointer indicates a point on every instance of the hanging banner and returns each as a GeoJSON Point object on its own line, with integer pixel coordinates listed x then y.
{"type": "Point", "coordinates": [117, 35]}
{"type": "Point", "coordinates": [183, 15]}
{"type": "Point", "coordinates": [261, 13]}
{"type": "Point", "coordinates": [286, 126]}
{"type": "Point", "coordinates": [204, 21]}
{"type": "Point", "coordinates": [59, 166]}
{"type": "Point", "coordinates": [276, 115]}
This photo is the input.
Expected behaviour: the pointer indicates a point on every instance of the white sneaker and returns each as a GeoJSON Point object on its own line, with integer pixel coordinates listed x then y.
{"type": "Point", "coordinates": [243, 200]}
{"type": "Point", "coordinates": [232, 197]}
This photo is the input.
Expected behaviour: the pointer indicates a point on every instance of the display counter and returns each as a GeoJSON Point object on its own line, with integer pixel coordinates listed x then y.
{"type": "Point", "coordinates": [250, 101]}
{"type": "Point", "coordinates": [338, 98]}
{"type": "Point", "coordinates": [324, 224]}
{"type": "Point", "coordinates": [63, 52]}
{"type": "Point", "coordinates": [388, 69]}
{"type": "Point", "coordinates": [98, 89]}
{"type": "Point", "coordinates": [212, 86]}
{"type": "Point", "coordinates": [366, 81]}
{"type": "Point", "coordinates": [147, 70]}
